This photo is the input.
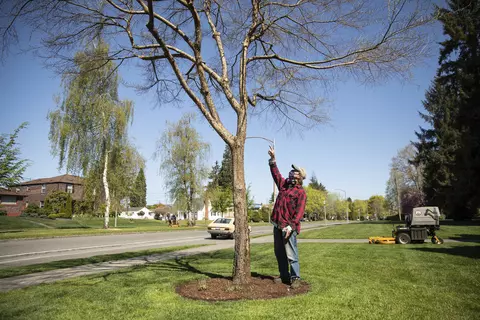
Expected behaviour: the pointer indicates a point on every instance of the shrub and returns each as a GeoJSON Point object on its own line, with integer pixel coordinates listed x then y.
{"type": "Point", "coordinates": [69, 206]}
{"type": "Point", "coordinates": [53, 216]}
{"type": "Point", "coordinates": [33, 210]}
{"type": "Point", "coordinates": [250, 212]}
{"type": "Point", "coordinates": [3, 212]}
{"type": "Point", "coordinates": [82, 207]}
{"type": "Point", "coordinates": [56, 201]}
{"type": "Point", "coordinates": [256, 216]}
{"type": "Point", "coordinates": [64, 215]}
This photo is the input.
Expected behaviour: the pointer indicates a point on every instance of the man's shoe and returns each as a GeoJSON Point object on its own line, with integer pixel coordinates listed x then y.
{"type": "Point", "coordinates": [295, 283]}
{"type": "Point", "coordinates": [279, 280]}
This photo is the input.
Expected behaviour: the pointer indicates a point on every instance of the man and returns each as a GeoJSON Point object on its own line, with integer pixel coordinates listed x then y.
{"type": "Point", "coordinates": [286, 215]}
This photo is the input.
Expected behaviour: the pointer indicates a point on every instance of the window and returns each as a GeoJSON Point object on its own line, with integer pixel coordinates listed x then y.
{"type": "Point", "coordinates": [42, 204]}
{"type": "Point", "coordinates": [17, 189]}
{"type": "Point", "coordinates": [44, 188]}
{"type": "Point", "coordinates": [27, 189]}
{"type": "Point", "coordinates": [8, 199]}
{"type": "Point", "coordinates": [69, 188]}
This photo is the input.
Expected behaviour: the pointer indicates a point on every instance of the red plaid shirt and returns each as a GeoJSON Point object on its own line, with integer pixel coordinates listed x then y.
{"type": "Point", "coordinates": [290, 204]}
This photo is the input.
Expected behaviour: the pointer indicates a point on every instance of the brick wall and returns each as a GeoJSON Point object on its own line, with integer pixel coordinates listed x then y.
{"type": "Point", "coordinates": [35, 195]}
{"type": "Point", "coordinates": [14, 209]}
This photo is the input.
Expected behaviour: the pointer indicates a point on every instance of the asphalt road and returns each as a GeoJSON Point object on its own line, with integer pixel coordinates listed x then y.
{"type": "Point", "coordinates": [34, 251]}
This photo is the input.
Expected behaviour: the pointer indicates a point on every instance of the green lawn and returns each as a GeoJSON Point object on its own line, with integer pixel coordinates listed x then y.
{"type": "Point", "coordinates": [348, 281]}
{"type": "Point", "coordinates": [448, 230]}
{"type": "Point", "coordinates": [17, 271]}
{"type": "Point", "coordinates": [20, 227]}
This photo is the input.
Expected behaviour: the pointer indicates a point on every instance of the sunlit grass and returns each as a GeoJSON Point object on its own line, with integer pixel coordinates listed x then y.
{"type": "Point", "coordinates": [27, 227]}
{"type": "Point", "coordinates": [448, 229]}
{"type": "Point", "coordinates": [348, 281]}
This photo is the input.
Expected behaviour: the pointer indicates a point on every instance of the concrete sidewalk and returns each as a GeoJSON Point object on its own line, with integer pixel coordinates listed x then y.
{"type": "Point", "coordinates": [33, 279]}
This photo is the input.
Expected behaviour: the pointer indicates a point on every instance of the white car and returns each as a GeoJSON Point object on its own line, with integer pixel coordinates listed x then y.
{"type": "Point", "coordinates": [222, 227]}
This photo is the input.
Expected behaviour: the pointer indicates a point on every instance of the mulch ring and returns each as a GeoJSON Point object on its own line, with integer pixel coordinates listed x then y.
{"type": "Point", "coordinates": [223, 289]}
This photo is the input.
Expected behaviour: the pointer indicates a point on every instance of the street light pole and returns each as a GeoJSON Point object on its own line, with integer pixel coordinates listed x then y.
{"type": "Point", "coordinates": [274, 186]}
{"type": "Point", "coordinates": [324, 212]}
{"type": "Point", "coordinates": [346, 209]}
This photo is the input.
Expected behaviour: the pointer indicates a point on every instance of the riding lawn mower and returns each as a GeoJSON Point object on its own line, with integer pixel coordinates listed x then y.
{"type": "Point", "coordinates": [421, 224]}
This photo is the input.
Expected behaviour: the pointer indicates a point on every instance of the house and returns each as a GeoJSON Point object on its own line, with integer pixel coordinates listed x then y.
{"type": "Point", "coordinates": [204, 211]}
{"type": "Point", "coordinates": [37, 190]}
{"type": "Point", "coordinates": [137, 213]}
{"type": "Point", "coordinates": [12, 201]}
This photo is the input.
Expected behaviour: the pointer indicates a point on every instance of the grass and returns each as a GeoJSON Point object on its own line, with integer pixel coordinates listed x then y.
{"type": "Point", "coordinates": [20, 227]}
{"type": "Point", "coordinates": [348, 281]}
{"type": "Point", "coordinates": [21, 270]}
{"type": "Point", "coordinates": [448, 230]}
{"type": "Point", "coordinates": [27, 227]}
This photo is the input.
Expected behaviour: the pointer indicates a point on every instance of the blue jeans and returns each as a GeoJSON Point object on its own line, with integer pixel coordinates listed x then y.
{"type": "Point", "coordinates": [286, 252]}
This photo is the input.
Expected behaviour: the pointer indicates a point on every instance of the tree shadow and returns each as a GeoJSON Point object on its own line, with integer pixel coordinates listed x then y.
{"type": "Point", "coordinates": [463, 251]}
{"type": "Point", "coordinates": [183, 265]}
{"type": "Point", "coordinates": [459, 223]}
{"type": "Point", "coordinates": [467, 238]}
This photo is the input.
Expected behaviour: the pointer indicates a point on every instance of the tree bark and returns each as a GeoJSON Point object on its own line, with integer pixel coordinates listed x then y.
{"type": "Point", "coordinates": [107, 192]}
{"type": "Point", "coordinates": [241, 263]}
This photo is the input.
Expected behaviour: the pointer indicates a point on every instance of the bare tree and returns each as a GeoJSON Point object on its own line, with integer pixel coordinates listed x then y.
{"type": "Point", "coordinates": [404, 187]}
{"type": "Point", "coordinates": [255, 57]}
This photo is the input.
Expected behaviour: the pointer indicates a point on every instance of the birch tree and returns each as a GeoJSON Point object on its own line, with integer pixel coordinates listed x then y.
{"type": "Point", "coordinates": [183, 163]}
{"type": "Point", "coordinates": [258, 57]}
{"type": "Point", "coordinates": [90, 120]}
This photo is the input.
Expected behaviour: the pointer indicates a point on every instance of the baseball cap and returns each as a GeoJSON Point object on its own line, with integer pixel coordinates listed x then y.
{"type": "Point", "coordinates": [301, 170]}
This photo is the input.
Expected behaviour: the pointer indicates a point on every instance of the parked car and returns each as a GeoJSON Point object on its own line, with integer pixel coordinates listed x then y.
{"type": "Point", "coordinates": [222, 227]}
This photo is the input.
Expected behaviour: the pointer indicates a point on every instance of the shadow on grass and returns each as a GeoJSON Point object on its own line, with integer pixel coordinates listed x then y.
{"type": "Point", "coordinates": [464, 251]}
{"type": "Point", "coordinates": [467, 238]}
{"type": "Point", "coordinates": [459, 223]}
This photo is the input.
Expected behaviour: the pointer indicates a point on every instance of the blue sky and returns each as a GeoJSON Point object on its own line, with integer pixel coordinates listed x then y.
{"type": "Point", "coordinates": [369, 124]}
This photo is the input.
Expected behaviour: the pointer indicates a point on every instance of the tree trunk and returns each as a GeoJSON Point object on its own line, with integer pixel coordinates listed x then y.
{"type": "Point", "coordinates": [241, 263]}
{"type": "Point", "coordinates": [107, 192]}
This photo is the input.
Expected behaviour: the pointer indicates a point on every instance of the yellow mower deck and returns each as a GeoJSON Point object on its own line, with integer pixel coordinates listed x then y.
{"type": "Point", "coordinates": [381, 240]}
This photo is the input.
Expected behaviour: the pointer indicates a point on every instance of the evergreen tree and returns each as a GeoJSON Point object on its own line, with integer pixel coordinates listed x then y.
{"type": "Point", "coordinates": [69, 206]}
{"type": "Point", "coordinates": [139, 192]}
{"type": "Point", "coordinates": [437, 146]}
{"type": "Point", "coordinates": [214, 176]}
{"type": "Point", "coordinates": [315, 184]}
{"type": "Point", "coordinates": [11, 167]}
{"type": "Point", "coordinates": [450, 150]}
{"type": "Point", "coordinates": [225, 176]}
{"type": "Point", "coordinates": [460, 72]}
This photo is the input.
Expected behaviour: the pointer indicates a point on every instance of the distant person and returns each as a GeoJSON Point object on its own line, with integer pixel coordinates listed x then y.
{"type": "Point", "coordinates": [287, 212]}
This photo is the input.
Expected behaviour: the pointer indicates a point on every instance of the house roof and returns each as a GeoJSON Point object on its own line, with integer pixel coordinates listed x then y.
{"type": "Point", "coordinates": [5, 192]}
{"type": "Point", "coordinates": [66, 178]}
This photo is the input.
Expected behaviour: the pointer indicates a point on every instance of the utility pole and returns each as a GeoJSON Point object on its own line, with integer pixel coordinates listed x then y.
{"type": "Point", "coordinates": [324, 212]}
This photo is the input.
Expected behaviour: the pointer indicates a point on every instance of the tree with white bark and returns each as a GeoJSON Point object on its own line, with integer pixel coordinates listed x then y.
{"type": "Point", "coordinates": [90, 120]}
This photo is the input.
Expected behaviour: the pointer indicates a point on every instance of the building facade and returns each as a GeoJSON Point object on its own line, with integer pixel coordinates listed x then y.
{"type": "Point", "coordinates": [37, 190]}
{"type": "Point", "coordinates": [13, 202]}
